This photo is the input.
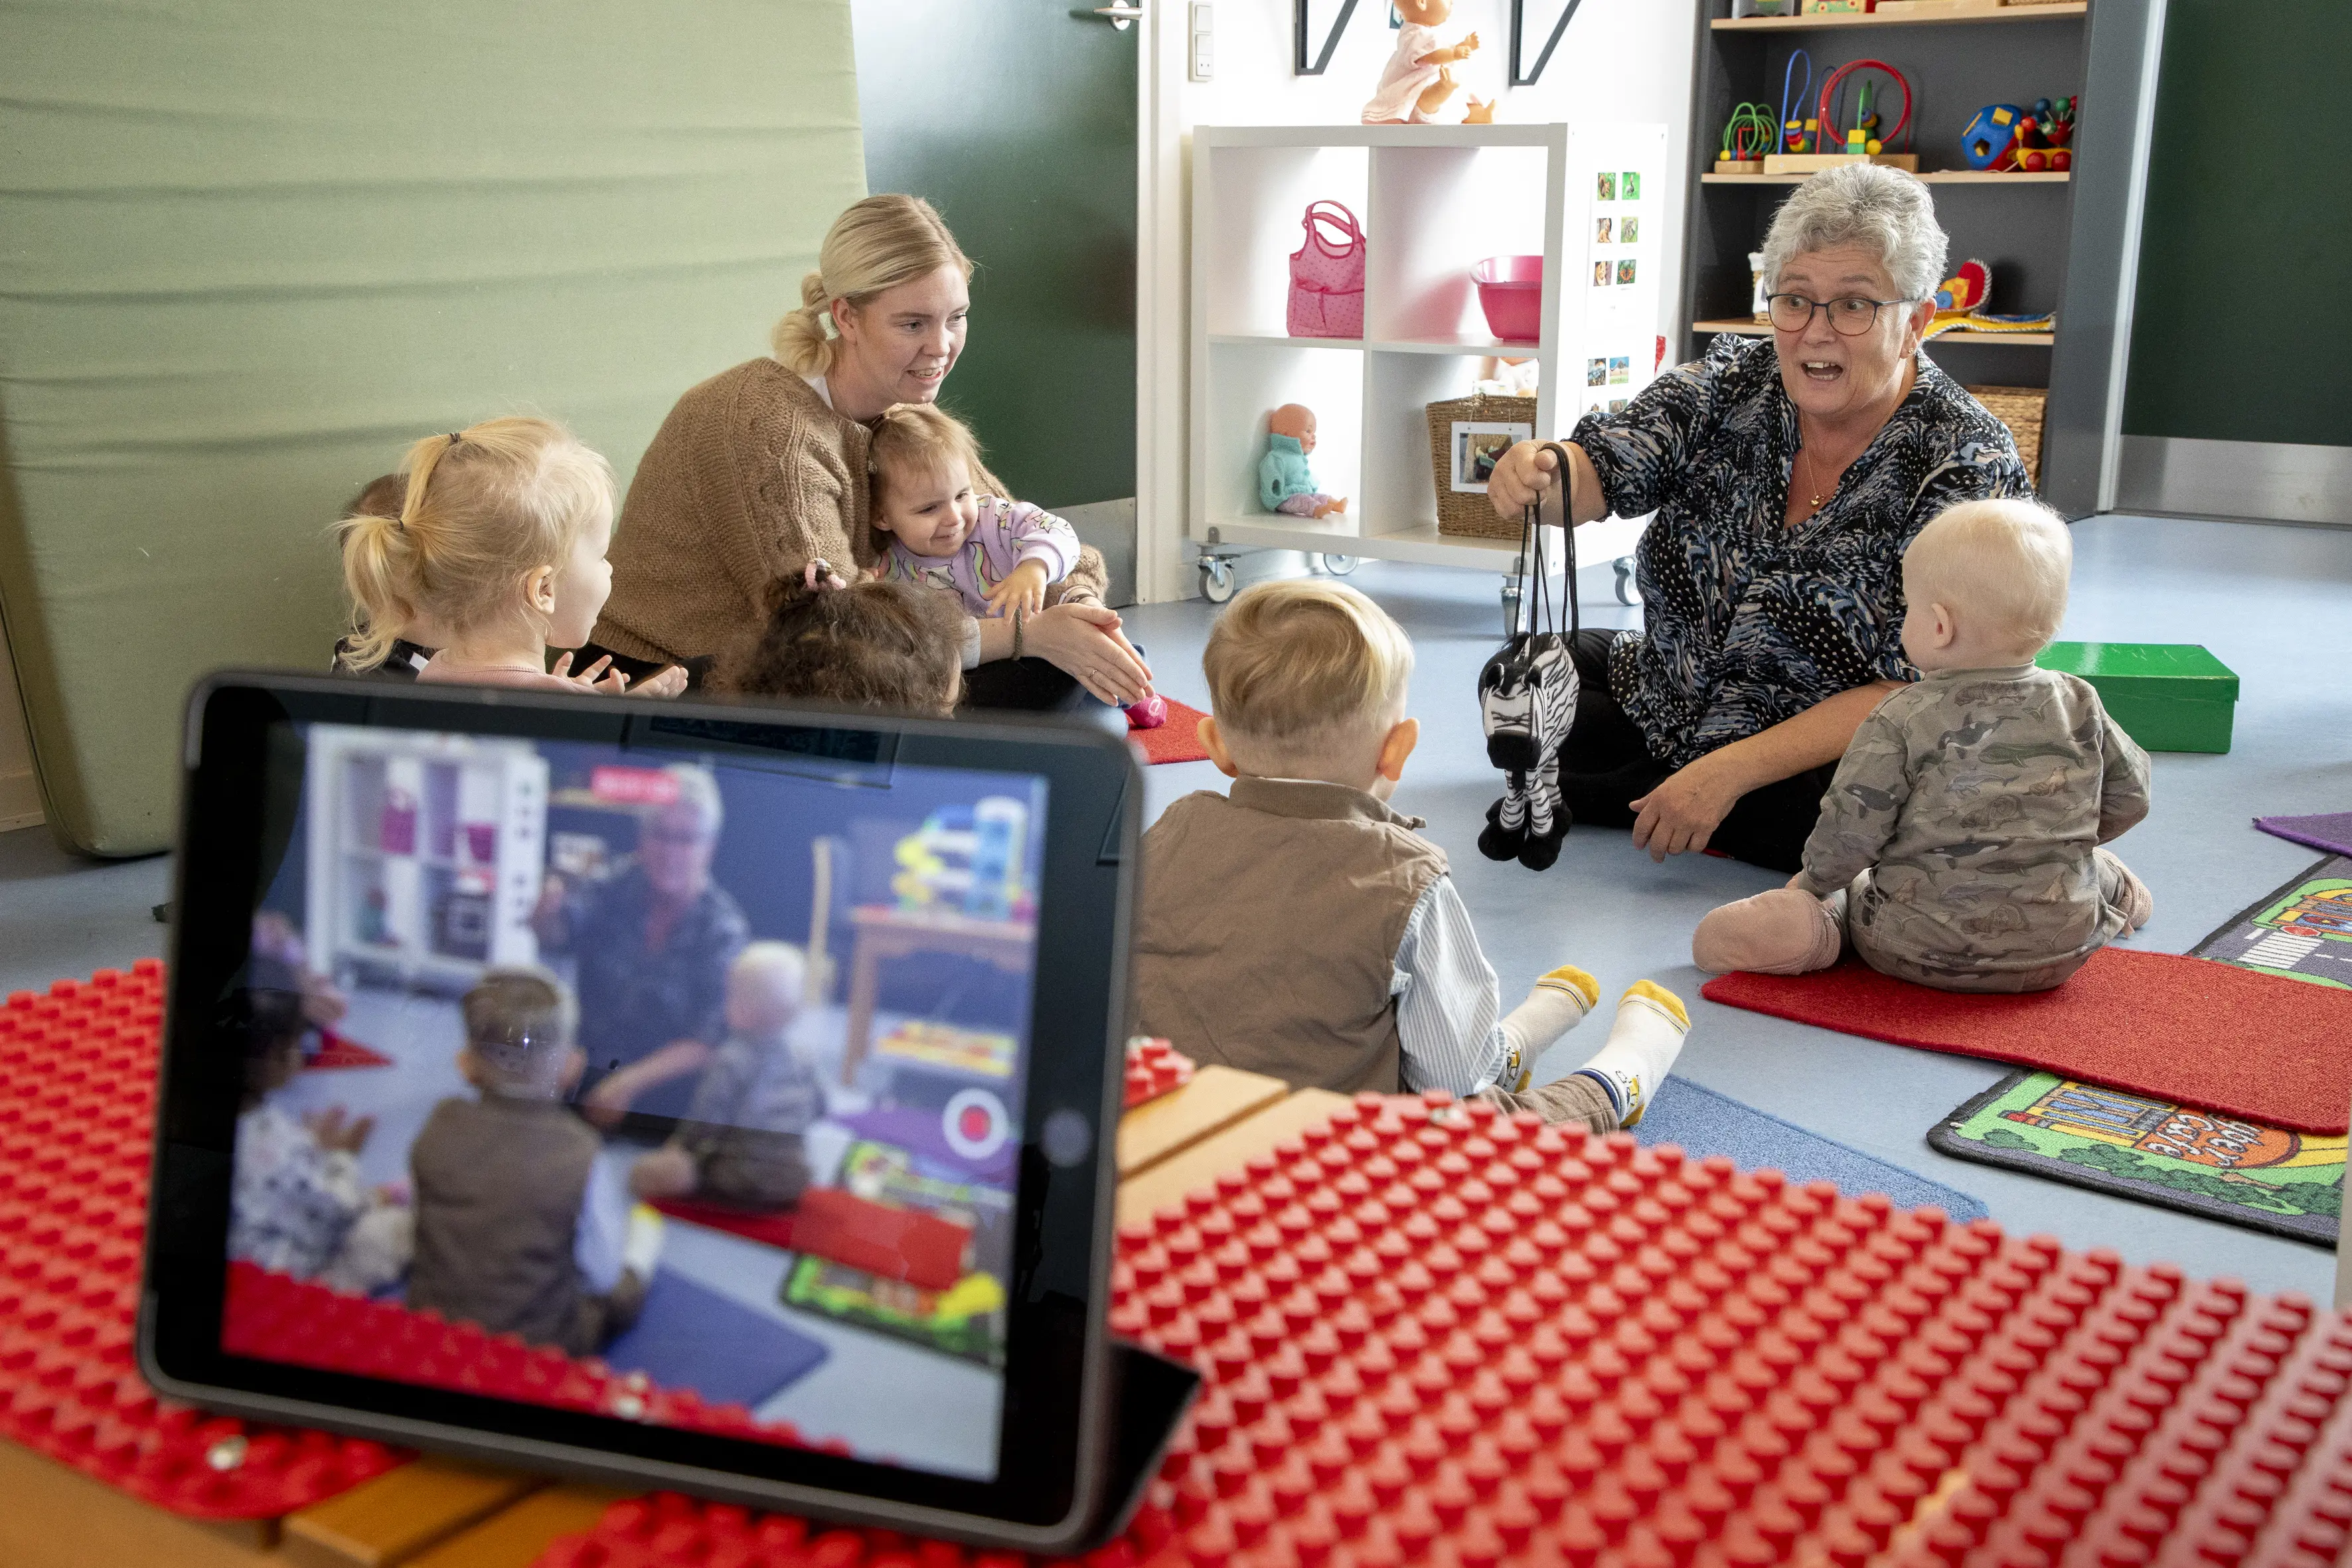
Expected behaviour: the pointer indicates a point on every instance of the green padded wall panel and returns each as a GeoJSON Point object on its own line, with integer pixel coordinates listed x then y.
{"type": "Point", "coordinates": [250, 248]}
{"type": "Point", "coordinates": [2238, 334]}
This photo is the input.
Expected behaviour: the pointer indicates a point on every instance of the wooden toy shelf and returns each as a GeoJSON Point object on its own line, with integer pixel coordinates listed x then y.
{"type": "Point", "coordinates": [1872, 19]}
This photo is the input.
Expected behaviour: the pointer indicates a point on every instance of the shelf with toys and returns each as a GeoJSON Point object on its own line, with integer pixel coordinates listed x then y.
{"type": "Point", "coordinates": [1427, 260]}
{"type": "Point", "coordinates": [1970, 109]}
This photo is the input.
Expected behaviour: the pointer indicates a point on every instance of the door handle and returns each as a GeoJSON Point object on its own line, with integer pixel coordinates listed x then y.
{"type": "Point", "coordinates": [1120, 17]}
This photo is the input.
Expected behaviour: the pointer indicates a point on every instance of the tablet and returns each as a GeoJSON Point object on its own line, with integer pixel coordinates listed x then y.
{"type": "Point", "coordinates": [679, 1094]}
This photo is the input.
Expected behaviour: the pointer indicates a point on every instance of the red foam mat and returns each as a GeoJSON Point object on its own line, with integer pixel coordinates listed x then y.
{"type": "Point", "coordinates": [76, 1120]}
{"type": "Point", "coordinates": [1177, 741]}
{"type": "Point", "coordinates": [893, 1244]}
{"type": "Point", "coordinates": [1437, 1338]}
{"type": "Point", "coordinates": [2267, 1050]}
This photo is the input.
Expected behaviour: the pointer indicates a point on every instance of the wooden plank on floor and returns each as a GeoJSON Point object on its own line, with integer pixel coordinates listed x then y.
{"type": "Point", "coordinates": [52, 1516]}
{"type": "Point", "coordinates": [390, 1519]}
{"type": "Point", "coordinates": [515, 1538]}
{"type": "Point", "coordinates": [1215, 1098]}
{"type": "Point", "coordinates": [1169, 1180]}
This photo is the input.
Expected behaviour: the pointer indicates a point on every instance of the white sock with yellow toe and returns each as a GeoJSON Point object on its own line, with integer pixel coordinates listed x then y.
{"type": "Point", "coordinates": [1556, 1005]}
{"type": "Point", "coordinates": [1643, 1045]}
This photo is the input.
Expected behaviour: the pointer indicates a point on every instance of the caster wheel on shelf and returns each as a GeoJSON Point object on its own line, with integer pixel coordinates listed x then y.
{"type": "Point", "coordinates": [1626, 592]}
{"type": "Point", "coordinates": [1338, 565]}
{"type": "Point", "coordinates": [1216, 579]}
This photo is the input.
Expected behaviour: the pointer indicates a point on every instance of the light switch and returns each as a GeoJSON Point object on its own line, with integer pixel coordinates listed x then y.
{"type": "Point", "coordinates": [1204, 57]}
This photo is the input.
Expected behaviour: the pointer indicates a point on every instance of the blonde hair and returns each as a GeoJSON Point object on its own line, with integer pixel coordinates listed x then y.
{"type": "Point", "coordinates": [1302, 666]}
{"type": "Point", "coordinates": [520, 1025]}
{"type": "Point", "coordinates": [921, 436]}
{"type": "Point", "coordinates": [697, 789]}
{"type": "Point", "coordinates": [786, 963]}
{"type": "Point", "coordinates": [480, 508]}
{"type": "Point", "coordinates": [878, 244]}
{"type": "Point", "coordinates": [2005, 561]}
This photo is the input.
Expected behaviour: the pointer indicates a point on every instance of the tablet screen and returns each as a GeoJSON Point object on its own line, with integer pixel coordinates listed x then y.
{"type": "Point", "coordinates": [683, 1087]}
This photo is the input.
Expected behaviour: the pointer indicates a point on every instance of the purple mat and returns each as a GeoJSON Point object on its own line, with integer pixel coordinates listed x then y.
{"type": "Point", "coordinates": [2331, 832]}
{"type": "Point", "coordinates": [921, 1134]}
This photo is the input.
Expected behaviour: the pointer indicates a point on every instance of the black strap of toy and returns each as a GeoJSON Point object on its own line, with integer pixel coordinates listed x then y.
{"type": "Point", "coordinates": [1531, 553]}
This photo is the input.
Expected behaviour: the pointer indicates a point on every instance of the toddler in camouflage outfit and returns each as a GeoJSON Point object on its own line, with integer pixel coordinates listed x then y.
{"type": "Point", "coordinates": [1959, 844]}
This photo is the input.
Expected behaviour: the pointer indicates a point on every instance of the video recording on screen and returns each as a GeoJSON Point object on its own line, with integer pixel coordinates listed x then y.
{"type": "Point", "coordinates": [680, 1087]}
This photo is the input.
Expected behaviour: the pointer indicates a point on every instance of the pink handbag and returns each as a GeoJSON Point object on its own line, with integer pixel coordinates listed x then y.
{"type": "Point", "coordinates": [1326, 280]}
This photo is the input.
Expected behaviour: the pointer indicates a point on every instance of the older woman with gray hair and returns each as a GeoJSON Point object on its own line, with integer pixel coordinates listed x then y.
{"type": "Point", "coordinates": [1786, 476]}
{"type": "Point", "coordinates": [652, 945]}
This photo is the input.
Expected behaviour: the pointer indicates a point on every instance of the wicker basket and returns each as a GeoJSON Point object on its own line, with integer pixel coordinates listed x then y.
{"type": "Point", "coordinates": [1469, 513]}
{"type": "Point", "coordinates": [2020, 408]}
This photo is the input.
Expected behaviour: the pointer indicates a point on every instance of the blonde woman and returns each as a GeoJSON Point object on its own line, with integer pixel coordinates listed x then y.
{"type": "Point", "coordinates": [763, 468]}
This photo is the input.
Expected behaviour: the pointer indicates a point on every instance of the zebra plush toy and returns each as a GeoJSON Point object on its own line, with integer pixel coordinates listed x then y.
{"type": "Point", "coordinates": [1527, 699]}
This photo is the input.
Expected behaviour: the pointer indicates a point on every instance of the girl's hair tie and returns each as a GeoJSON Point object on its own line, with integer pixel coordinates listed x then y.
{"type": "Point", "coordinates": [454, 438]}
{"type": "Point", "coordinates": [819, 574]}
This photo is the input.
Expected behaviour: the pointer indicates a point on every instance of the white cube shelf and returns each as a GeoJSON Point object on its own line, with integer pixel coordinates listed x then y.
{"type": "Point", "coordinates": [1434, 200]}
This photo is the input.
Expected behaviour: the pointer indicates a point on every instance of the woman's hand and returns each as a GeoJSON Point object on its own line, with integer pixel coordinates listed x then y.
{"type": "Point", "coordinates": [605, 1104]}
{"type": "Point", "coordinates": [1085, 641]}
{"type": "Point", "coordinates": [1688, 806]}
{"type": "Point", "coordinates": [1023, 588]}
{"type": "Point", "coordinates": [1523, 476]}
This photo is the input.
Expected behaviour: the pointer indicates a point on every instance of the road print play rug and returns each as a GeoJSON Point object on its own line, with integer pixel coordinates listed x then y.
{"type": "Point", "coordinates": [2175, 1156]}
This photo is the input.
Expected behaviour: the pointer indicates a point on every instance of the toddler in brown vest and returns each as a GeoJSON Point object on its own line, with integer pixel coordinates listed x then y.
{"type": "Point", "coordinates": [505, 1236]}
{"type": "Point", "coordinates": [1300, 927]}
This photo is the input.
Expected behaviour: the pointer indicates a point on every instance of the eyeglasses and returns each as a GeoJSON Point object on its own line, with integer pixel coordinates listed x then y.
{"type": "Point", "coordinates": [1851, 315]}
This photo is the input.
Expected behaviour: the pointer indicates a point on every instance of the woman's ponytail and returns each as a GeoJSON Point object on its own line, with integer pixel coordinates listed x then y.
{"type": "Point", "coordinates": [800, 339]}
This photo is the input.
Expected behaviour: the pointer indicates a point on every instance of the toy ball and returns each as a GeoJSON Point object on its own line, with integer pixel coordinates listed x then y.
{"type": "Point", "coordinates": [2062, 159]}
{"type": "Point", "coordinates": [2035, 161]}
{"type": "Point", "coordinates": [1873, 146]}
{"type": "Point", "coordinates": [1990, 136]}
{"type": "Point", "coordinates": [2041, 109]}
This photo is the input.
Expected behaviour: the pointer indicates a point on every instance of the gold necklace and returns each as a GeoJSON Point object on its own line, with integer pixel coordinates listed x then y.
{"type": "Point", "coordinates": [1817, 500]}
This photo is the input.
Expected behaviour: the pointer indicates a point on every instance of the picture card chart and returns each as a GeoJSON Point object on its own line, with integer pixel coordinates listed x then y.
{"type": "Point", "coordinates": [1616, 202]}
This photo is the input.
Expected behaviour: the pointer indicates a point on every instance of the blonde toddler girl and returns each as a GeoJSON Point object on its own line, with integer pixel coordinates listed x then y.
{"type": "Point", "coordinates": [495, 555]}
{"type": "Point", "coordinates": [953, 527]}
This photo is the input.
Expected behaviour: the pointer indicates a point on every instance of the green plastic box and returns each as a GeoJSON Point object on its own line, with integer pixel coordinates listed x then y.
{"type": "Point", "coordinates": [2170, 697]}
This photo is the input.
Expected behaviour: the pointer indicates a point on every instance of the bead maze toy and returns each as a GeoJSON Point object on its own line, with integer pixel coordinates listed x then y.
{"type": "Point", "coordinates": [1865, 141]}
{"type": "Point", "coordinates": [1435, 1335]}
{"type": "Point", "coordinates": [1747, 136]}
{"type": "Point", "coordinates": [76, 1090]}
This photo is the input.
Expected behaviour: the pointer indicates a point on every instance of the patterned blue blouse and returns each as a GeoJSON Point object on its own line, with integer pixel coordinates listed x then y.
{"type": "Point", "coordinates": [1747, 621]}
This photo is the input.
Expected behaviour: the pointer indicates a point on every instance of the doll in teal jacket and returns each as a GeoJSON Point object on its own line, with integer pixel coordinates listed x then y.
{"type": "Point", "coordinates": [1286, 482]}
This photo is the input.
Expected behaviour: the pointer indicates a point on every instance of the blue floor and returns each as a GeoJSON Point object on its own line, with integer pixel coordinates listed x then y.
{"type": "Point", "coordinates": [2258, 597]}
{"type": "Point", "coordinates": [2267, 600]}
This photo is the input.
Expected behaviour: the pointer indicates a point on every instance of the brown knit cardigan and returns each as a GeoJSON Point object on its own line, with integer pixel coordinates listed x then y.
{"type": "Point", "coordinates": [751, 477]}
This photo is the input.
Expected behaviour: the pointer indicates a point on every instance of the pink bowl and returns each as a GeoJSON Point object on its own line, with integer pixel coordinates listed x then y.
{"type": "Point", "coordinates": [1510, 290]}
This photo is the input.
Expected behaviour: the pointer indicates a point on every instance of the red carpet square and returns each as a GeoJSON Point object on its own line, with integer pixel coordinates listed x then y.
{"type": "Point", "coordinates": [2267, 1050]}
{"type": "Point", "coordinates": [337, 1051]}
{"type": "Point", "coordinates": [1177, 741]}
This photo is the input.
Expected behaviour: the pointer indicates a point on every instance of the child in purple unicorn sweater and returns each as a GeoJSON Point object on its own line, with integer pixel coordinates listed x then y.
{"type": "Point", "coordinates": [953, 527]}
